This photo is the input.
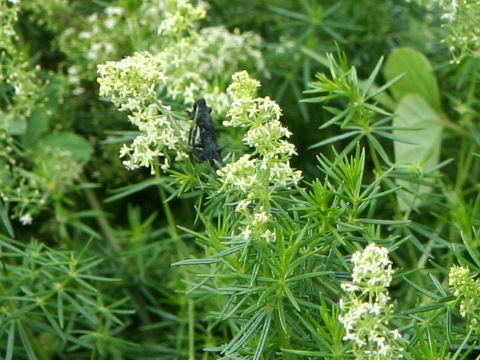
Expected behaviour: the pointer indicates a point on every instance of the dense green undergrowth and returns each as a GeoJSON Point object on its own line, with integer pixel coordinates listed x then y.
{"type": "Point", "coordinates": [331, 212]}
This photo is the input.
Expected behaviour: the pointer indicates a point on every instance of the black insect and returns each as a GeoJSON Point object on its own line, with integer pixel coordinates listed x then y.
{"type": "Point", "coordinates": [203, 138]}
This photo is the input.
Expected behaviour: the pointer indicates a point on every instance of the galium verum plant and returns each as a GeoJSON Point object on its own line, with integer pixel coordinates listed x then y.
{"type": "Point", "coordinates": [255, 249]}
{"type": "Point", "coordinates": [184, 70]}
{"type": "Point", "coordinates": [256, 175]}
{"type": "Point", "coordinates": [33, 171]}
{"type": "Point", "coordinates": [131, 84]}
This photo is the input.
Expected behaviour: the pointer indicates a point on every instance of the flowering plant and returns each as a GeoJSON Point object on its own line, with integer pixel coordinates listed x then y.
{"type": "Point", "coordinates": [366, 310]}
{"type": "Point", "coordinates": [157, 202]}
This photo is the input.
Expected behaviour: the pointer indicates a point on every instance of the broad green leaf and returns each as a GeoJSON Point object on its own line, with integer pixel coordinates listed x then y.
{"type": "Point", "coordinates": [14, 125]}
{"type": "Point", "coordinates": [418, 77]}
{"type": "Point", "coordinates": [79, 148]}
{"type": "Point", "coordinates": [418, 123]}
{"type": "Point", "coordinates": [37, 126]}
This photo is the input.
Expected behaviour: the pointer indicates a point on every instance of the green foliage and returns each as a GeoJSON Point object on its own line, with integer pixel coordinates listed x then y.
{"type": "Point", "coordinates": [421, 126]}
{"type": "Point", "coordinates": [79, 149]}
{"type": "Point", "coordinates": [417, 76]}
{"type": "Point", "coordinates": [417, 119]}
{"type": "Point", "coordinates": [343, 222]}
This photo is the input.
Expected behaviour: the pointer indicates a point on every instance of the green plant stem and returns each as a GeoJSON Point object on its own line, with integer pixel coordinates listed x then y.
{"type": "Point", "coordinates": [428, 247]}
{"type": "Point", "coordinates": [182, 252]}
{"type": "Point", "coordinates": [103, 221]}
{"type": "Point", "coordinates": [181, 248]}
{"type": "Point", "coordinates": [458, 129]}
{"type": "Point", "coordinates": [191, 329]}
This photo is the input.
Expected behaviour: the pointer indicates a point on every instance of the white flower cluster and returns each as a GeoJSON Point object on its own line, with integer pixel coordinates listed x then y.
{"type": "Point", "coordinates": [255, 176]}
{"type": "Point", "coordinates": [241, 174]}
{"type": "Point", "coordinates": [365, 312]}
{"type": "Point", "coordinates": [460, 23]}
{"type": "Point", "coordinates": [180, 17]}
{"type": "Point", "coordinates": [132, 85]}
{"type": "Point", "coordinates": [194, 61]}
{"type": "Point", "coordinates": [93, 41]}
{"type": "Point", "coordinates": [24, 89]}
{"type": "Point", "coordinates": [467, 290]}
{"type": "Point", "coordinates": [183, 70]}
{"type": "Point", "coordinates": [162, 26]}
{"type": "Point", "coordinates": [269, 161]}
{"type": "Point", "coordinates": [372, 268]}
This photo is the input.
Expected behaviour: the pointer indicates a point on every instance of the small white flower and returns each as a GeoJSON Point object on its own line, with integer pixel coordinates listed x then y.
{"type": "Point", "coordinates": [85, 35]}
{"type": "Point", "coordinates": [243, 205]}
{"type": "Point", "coordinates": [18, 89]}
{"type": "Point", "coordinates": [26, 219]}
{"type": "Point", "coordinates": [246, 233]}
{"type": "Point", "coordinates": [260, 218]}
{"type": "Point", "coordinates": [268, 236]}
{"type": "Point", "coordinates": [114, 11]}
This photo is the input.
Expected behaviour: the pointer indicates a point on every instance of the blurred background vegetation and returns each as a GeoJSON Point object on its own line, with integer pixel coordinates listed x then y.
{"type": "Point", "coordinates": [88, 244]}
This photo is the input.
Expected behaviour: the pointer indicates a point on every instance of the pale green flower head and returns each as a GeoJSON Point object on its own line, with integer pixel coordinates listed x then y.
{"type": "Point", "coordinates": [372, 268]}
{"type": "Point", "coordinates": [185, 69]}
{"type": "Point", "coordinates": [28, 88]}
{"type": "Point", "coordinates": [461, 19]}
{"type": "Point", "coordinates": [132, 83]}
{"type": "Point", "coordinates": [243, 86]}
{"type": "Point", "coordinates": [257, 174]}
{"type": "Point", "coordinates": [268, 162]}
{"type": "Point", "coordinates": [459, 279]}
{"type": "Point", "coordinates": [467, 291]}
{"type": "Point", "coordinates": [240, 174]}
{"type": "Point", "coordinates": [181, 17]}
{"type": "Point", "coordinates": [268, 139]}
{"type": "Point", "coordinates": [30, 191]}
